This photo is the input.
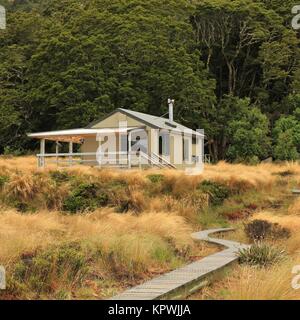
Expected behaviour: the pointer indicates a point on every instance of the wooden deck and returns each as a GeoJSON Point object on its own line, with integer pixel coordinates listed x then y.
{"type": "Point", "coordinates": [186, 280]}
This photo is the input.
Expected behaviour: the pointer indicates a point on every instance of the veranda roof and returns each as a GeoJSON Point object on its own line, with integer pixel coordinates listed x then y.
{"type": "Point", "coordinates": [77, 135]}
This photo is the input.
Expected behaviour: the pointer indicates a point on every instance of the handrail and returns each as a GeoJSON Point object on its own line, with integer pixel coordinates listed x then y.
{"type": "Point", "coordinates": [168, 163]}
{"type": "Point", "coordinates": [79, 154]}
{"type": "Point", "coordinates": [152, 161]}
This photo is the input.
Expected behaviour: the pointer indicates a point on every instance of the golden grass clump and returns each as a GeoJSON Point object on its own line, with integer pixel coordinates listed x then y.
{"type": "Point", "coordinates": [25, 233]}
{"type": "Point", "coordinates": [25, 187]}
{"type": "Point", "coordinates": [291, 222]}
{"type": "Point", "coordinates": [55, 196]}
{"type": "Point", "coordinates": [251, 283]}
{"type": "Point", "coordinates": [179, 183]}
{"type": "Point", "coordinates": [240, 175]}
{"type": "Point", "coordinates": [187, 207]}
{"type": "Point", "coordinates": [165, 225]}
{"type": "Point", "coordinates": [25, 164]}
{"type": "Point", "coordinates": [294, 208]}
{"type": "Point", "coordinates": [36, 189]}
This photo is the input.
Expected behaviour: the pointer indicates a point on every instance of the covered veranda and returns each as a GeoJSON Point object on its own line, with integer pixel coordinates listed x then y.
{"type": "Point", "coordinates": [78, 136]}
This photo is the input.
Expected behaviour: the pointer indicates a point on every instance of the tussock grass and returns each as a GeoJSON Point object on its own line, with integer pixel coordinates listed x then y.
{"type": "Point", "coordinates": [31, 189]}
{"type": "Point", "coordinates": [25, 233]}
{"type": "Point", "coordinates": [291, 222]}
{"type": "Point", "coordinates": [252, 283]}
{"type": "Point", "coordinates": [294, 208]}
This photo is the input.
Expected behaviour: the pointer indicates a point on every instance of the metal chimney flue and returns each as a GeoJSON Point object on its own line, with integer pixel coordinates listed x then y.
{"type": "Point", "coordinates": [171, 109]}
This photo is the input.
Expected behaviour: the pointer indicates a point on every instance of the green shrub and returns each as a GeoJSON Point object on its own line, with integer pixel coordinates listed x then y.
{"type": "Point", "coordinates": [257, 229]}
{"type": "Point", "coordinates": [85, 197]}
{"type": "Point", "coordinates": [156, 178]}
{"type": "Point", "coordinates": [14, 152]}
{"type": "Point", "coordinates": [116, 184]}
{"type": "Point", "coordinates": [262, 229]}
{"type": "Point", "coordinates": [3, 180]}
{"type": "Point", "coordinates": [41, 272]}
{"type": "Point", "coordinates": [59, 176]}
{"type": "Point", "coordinates": [21, 206]}
{"type": "Point", "coordinates": [261, 254]}
{"type": "Point", "coordinates": [210, 218]}
{"type": "Point", "coordinates": [218, 192]}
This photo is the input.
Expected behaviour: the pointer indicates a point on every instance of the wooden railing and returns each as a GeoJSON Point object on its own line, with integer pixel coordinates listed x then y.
{"type": "Point", "coordinates": [163, 161]}
{"type": "Point", "coordinates": [110, 159]}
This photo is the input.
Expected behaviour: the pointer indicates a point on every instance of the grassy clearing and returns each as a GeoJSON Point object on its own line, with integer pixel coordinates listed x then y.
{"type": "Point", "coordinates": [85, 233]}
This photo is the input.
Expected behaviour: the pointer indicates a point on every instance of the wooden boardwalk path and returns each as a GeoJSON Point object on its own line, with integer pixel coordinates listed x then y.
{"type": "Point", "coordinates": [188, 279]}
{"type": "Point", "coordinates": [296, 192]}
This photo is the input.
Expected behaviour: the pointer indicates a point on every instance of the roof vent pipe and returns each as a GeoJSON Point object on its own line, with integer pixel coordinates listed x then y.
{"type": "Point", "coordinates": [171, 107]}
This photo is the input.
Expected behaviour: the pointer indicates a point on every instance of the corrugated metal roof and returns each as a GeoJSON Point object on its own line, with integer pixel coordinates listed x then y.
{"type": "Point", "coordinates": [152, 121]}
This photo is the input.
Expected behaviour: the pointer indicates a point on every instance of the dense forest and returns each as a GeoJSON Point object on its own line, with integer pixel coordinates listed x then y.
{"type": "Point", "coordinates": [233, 68]}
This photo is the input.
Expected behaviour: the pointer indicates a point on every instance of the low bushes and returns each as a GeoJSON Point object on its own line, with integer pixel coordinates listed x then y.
{"type": "Point", "coordinates": [86, 196]}
{"type": "Point", "coordinates": [3, 180]}
{"type": "Point", "coordinates": [155, 178]}
{"type": "Point", "coordinates": [263, 229]}
{"type": "Point", "coordinates": [41, 272]}
{"type": "Point", "coordinates": [261, 254]}
{"type": "Point", "coordinates": [60, 176]}
{"type": "Point", "coordinates": [218, 192]}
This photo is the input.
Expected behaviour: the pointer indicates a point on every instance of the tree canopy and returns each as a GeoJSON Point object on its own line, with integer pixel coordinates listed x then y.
{"type": "Point", "coordinates": [231, 65]}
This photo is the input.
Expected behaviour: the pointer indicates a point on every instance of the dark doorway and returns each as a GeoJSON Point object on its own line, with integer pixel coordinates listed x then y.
{"type": "Point", "coordinates": [160, 148]}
